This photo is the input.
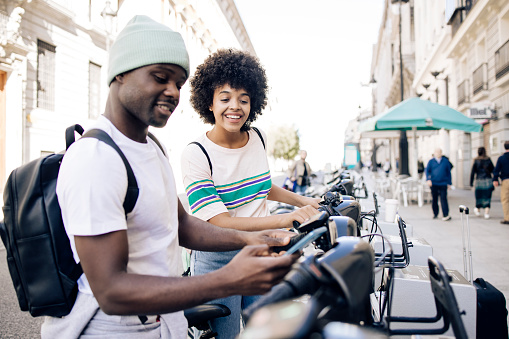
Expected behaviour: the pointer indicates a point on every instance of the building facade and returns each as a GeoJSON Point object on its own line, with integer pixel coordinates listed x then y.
{"type": "Point", "coordinates": [53, 64]}
{"type": "Point", "coordinates": [392, 70]}
{"type": "Point", "coordinates": [455, 53]}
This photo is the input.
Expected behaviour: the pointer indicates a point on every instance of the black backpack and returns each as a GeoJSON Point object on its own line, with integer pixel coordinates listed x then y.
{"type": "Point", "coordinates": [39, 254]}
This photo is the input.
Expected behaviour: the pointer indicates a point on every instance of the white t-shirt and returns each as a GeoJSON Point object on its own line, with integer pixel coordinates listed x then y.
{"type": "Point", "coordinates": [240, 182]}
{"type": "Point", "coordinates": [91, 188]}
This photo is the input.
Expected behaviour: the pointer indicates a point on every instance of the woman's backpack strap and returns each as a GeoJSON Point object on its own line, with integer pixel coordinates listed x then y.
{"type": "Point", "coordinates": [260, 135]}
{"type": "Point", "coordinates": [204, 152]}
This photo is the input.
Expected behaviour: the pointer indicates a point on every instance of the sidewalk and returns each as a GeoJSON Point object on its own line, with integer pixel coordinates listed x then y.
{"type": "Point", "coordinates": [489, 238]}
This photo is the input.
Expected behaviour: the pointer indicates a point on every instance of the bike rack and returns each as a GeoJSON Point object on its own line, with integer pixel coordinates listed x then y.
{"type": "Point", "coordinates": [446, 307]}
{"type": "Point", "coordinates": [401, 260]}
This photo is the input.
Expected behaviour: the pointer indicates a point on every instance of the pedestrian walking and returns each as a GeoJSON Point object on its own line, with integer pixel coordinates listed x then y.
{"type": "Point", "coordinates": [482, 170]}
{"type": "Point", "coordinates": [300, 173]}
{"type": "Point", "coordinates": [438, 178]}
{"type": "Point", "coordinates": [501, 173]}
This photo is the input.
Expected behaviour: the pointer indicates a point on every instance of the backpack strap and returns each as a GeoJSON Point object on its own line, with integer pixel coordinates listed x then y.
{"type": "Point", "coordinates": [207, 155]}
{"type": "Point", "coordinates": [260, 135]}
{"type": "Point", "coordinates": [153, 137]}
{"type": "Point", "coordinates": [69, 134]}
{"type": "Point", "coordinates": [132, 186]}
{"type": "Point", "coordinates": [204, 152]}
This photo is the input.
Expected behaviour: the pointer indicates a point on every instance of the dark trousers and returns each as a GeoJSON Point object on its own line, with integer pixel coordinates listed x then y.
{"type": "Point", "coordinates": [436, 192]}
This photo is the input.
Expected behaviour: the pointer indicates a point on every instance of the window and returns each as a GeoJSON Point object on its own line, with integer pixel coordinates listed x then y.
{"type": "Point", "coordinates": [94, 90]}
{"type": "Point", "coordinates": [502, 61]}
{"type": "Point", "coordinates": [45, 75]}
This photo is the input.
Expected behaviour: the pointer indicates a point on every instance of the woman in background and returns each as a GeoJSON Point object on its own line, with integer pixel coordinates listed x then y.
{"type": "Point", "coordinates": [482, 170]}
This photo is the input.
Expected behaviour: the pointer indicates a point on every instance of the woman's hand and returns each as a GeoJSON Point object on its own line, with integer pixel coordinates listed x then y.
{"type": "Point", "coordinates": [300, 215]}
{"type": "Point", "coordinates": [310, 201]}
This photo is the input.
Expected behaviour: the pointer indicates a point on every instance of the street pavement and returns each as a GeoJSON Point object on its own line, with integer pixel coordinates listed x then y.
{"type": "Point", "coordinates": [13, 322]}
{"type": "Point", "coordinates": [489, 239]}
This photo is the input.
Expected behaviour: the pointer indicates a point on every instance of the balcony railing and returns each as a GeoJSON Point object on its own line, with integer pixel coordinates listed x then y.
{"type": "Point", "coordinates": [463, 92]}
{"type": "Point", "coordinates": [469, 4]}
{"type": "Point", "coordinates": [457, 11]}
{"type": "Point", "coordinates": [502, 61]}
{"type": "Point", "coordinates": [480, 79]}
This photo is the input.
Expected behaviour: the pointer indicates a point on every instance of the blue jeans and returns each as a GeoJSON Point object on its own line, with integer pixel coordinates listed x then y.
{"type": "Point", "coordinates": [436, 192]}
{"type": "Point", "coordinates": [205, 262]}
{"type": "Point", "coordinates": [300, 189]}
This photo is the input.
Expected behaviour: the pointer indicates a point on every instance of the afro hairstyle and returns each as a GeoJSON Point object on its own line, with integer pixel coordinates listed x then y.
{"type": "Point", "coordinates": [235, 68]}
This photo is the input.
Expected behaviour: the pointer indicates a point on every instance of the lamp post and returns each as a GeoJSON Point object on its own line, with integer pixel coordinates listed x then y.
{"type": "Point", "coordinates": [374, 166]}
{"type": "Point", "coordinates": [403, 141]}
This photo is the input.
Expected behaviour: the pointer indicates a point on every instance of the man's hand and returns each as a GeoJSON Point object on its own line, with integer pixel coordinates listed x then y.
{"type": "Point", "coordinates": [429, 183]}
{"type": "Point", "coordinates": [253, 271]}
{"type": "Point", "coordinates": [269, 237]}
{"type": "Point", "coordinates": [495, 183]}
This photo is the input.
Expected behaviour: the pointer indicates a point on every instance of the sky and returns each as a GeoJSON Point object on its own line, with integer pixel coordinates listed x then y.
{"type": "Point", "coordinates": [316, 54]}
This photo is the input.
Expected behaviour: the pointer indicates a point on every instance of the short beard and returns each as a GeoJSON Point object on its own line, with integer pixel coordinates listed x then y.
{"type": "Point", "coordinates": [152, 122]}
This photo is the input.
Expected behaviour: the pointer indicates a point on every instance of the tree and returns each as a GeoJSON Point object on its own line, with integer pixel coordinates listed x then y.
{"type": "Point", "coordinates": [284, 143]}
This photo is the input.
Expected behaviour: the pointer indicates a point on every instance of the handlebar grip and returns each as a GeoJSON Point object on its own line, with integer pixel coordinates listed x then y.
{"type": "Point", "coordinates": [299, 281]}
{"type": "Point", "coordinates": [296, 224]}
{"type": "Point", "coordinates": [280, 292]}
{"type": "Point", "coordinates": [293, 241]}
{"type": "Point", "coordinates": [464, 208]}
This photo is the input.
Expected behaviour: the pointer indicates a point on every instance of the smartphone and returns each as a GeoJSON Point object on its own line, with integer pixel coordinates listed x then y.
{"type": "Point", "coordinates": [310, 237]}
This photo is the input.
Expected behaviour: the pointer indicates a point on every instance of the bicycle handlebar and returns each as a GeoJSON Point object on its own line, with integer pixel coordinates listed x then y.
{"type": "Point", "coordinates": [301, 280]}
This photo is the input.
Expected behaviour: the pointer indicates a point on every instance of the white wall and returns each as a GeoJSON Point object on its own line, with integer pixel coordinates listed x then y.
{"type": "Point", "coordinates": [78, 40]}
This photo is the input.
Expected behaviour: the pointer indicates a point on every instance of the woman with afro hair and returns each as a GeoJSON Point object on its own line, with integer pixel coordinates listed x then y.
{"type": "Point", "coordinates": [228, 183]}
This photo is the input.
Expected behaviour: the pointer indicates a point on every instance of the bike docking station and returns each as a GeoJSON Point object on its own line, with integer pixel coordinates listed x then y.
{"type": "Point", "coordinates": [406, 251]}
{"type": "Point", "coordinates": [364, 278]}
{"type": "Point", "coordinates": [407, 284]}
{"type": "Point", "coordinates": [412, 296]}
{"type": "Point", "coordinates": [385, 219]}
{"type": "Point", "coordinates": [419, 250]}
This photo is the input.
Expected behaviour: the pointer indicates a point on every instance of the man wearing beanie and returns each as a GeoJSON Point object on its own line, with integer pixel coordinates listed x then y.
{"type": "Point", "coordinates": [132, 285]}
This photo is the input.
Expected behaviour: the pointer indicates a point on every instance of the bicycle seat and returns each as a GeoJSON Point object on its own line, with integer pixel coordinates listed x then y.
{"type": "Point", "coordinates": [203, 313]}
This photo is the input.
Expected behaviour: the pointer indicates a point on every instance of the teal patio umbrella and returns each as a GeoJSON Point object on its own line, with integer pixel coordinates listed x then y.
{"type": "Point", "coordinates": [415, 113]}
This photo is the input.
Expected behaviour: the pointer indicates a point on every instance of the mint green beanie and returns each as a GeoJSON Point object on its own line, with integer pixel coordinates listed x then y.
{"type": "Point", "coordinates": [144, 42]}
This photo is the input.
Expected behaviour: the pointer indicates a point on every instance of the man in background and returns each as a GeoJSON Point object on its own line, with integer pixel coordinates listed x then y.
{"type": "Point", "coordinates": [300, 173]}
{"type": "Point", "coordinates": [438, 178]}
{"type": "Point", "coordinates": [502, 171]}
